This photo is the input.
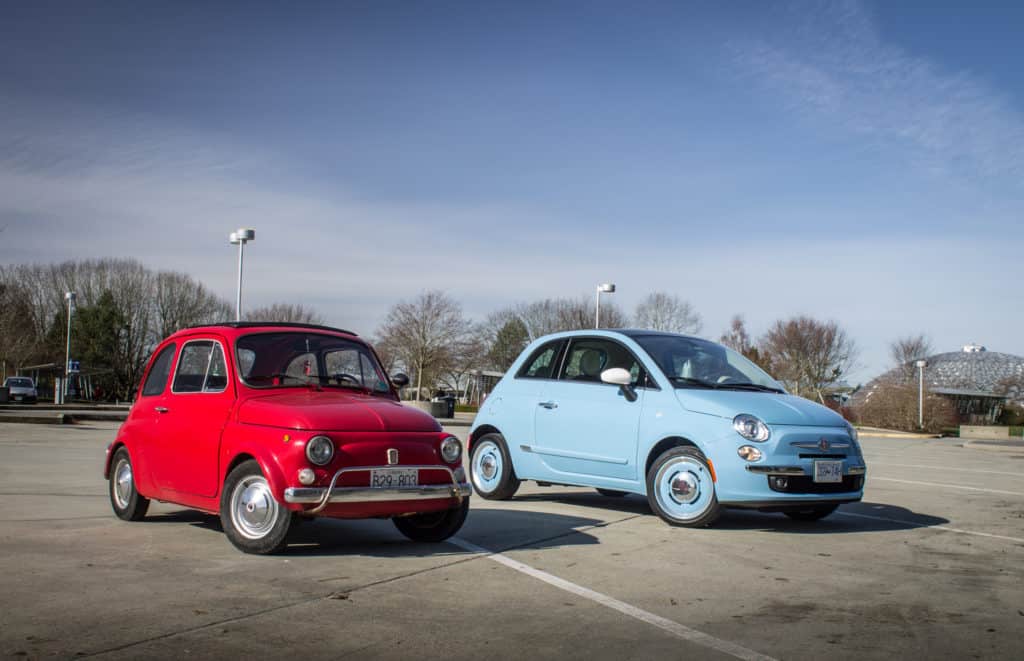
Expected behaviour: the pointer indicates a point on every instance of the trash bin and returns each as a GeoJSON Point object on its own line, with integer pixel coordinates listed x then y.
{"type": "Point", "coordinates": [5, 394]}
{"type": "Point", "coordinates": [450, 401]}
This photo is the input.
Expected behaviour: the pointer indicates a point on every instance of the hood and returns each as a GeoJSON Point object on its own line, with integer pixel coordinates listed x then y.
{"type": "Point", "coordinates": [330, 410]}
{"type": "Point", "coordinates": [772, 408]}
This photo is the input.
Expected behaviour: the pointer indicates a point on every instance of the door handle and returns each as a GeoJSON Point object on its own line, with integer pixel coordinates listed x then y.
{"type": "Point", "coordinates": [549, 405]}
{"type": "Point", "coordinates": [160, 409]}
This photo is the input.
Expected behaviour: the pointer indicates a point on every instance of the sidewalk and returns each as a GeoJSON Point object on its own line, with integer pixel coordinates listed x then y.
{"type": "Point", "coordinates": [878, 432]}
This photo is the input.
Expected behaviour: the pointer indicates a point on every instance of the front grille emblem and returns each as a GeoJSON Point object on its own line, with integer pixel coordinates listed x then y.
{"type": "Point", "coordinates": [392, 456]}
{"type": "Point", "coordinates": [823, 444]}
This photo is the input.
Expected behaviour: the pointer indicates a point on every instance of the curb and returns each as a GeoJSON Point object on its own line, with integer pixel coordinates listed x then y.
{"type": "Point", "coordinates": [57, 419]}
{"type": "Point", "coordinates": [995, 446]}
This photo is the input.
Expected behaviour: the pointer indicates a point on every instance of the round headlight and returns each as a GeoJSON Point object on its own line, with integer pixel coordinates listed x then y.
{"type": "Point", "coordinates": [852, 431]}
{"type": "Point", "coordinates": [451, 449]}
{"type": "Point", "coordinates": [319, 450]}
{"type": "Point", "coordinates": [749, 453]}
{"type": "Point", "coordinates": [751, 428]}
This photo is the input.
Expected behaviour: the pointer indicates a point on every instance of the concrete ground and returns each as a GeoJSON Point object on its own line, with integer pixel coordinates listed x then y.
{"type": "Point", "coordinates": [931, 564]}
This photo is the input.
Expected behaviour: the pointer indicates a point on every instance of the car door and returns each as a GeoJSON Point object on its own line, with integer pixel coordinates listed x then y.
{"type": "Point", "coordinates": [583, 426]}
{"type": "Point", "coordinates": [145, 423]}
{"type": "Point", "coordinates": [197, 409]}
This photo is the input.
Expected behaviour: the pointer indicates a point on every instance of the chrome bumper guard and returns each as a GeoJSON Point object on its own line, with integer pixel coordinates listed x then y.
{"type": "Point", "coordinates": [797, 470]}
{"type": "Point", "coordinates": [323, 496]}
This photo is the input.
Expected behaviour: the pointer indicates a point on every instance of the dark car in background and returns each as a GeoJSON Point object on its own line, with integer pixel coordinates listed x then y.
{"type": "Point", "coordinates": [21, 389]}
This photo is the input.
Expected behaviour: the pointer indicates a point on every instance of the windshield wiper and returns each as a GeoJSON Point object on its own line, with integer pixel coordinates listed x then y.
{"type": "Point", "coordinates": [694, 382]}
{"type": "Point", "coordinates": [749, 386]}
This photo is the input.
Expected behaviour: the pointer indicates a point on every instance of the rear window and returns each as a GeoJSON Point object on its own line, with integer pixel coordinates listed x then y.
{"type": "Point", "coordinates": [19, 382]}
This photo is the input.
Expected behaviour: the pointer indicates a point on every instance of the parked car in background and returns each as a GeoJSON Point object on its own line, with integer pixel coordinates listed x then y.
{"type": "Point", "coordinates": [266, 423]}
{"type": "Point", "coordinates": [21, 389]}
{"type": "Point", "coordinates": [690, 424]}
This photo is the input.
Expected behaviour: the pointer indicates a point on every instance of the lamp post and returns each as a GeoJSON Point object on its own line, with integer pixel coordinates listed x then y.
{"type": "Point", "coordinates": [70, 298]}
{"type": "Point", "coordinates": [605, 288]}
{"type": "Point", "coordinates": [920, 393]}
{"type": "Point", "coordinates": [240, 238]}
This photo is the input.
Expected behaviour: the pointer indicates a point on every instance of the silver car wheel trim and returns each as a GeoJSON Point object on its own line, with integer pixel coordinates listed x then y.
{"type": "Point", "coordinates": [253, 508]}
{"type": "Point", "coordinates": [683, 488]}
{"type": "Point", "coordinates": [122, 483]}
{"type": "Point", "coordinates": [487, 467]}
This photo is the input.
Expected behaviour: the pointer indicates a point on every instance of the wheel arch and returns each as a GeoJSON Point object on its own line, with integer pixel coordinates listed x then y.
{"type": "Point", "coordinates": [111, 451]}
{"type": "Point", "coordinates": [271, 470]}
{"type": "Point", "coordinates": [668, 443]}
{"type": "Point", "coordinates": [482, 430]}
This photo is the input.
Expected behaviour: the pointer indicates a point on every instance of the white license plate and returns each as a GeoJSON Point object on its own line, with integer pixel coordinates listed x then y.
{"type": "Point", "coordinates": [389, 478]}
{"type": "Point", "coordinates": [828, 471]}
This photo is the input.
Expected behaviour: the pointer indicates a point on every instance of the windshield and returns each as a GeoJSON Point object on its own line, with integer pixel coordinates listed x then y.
{"type": "Point", "coordinates": [289, 360]}
{"type": "Point", "coordinates": [693, 363]}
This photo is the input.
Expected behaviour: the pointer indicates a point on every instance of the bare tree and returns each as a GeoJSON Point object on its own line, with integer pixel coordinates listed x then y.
{"type": "Point", "coordinates": [285, 312]}
{"type": "Point", "coordinates": [809, 355]}
{"type": "Point", "coordinates": [737, 338]}
{"type": "Point", "coordinates": [424, 335]}
{"type": "Point", "coordinates": [892, 404]}
{"type": "Point", "coordinates": [180, 302]}
{"type": "Point", "coordinates": [552, 315]}
{"type": "Point", "coordinates": [905, 351]}
{"type": "Point", "coordinates": [667, 312]}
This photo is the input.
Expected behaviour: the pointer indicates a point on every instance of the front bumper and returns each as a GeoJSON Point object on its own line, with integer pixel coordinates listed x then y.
{"type": "Point", "coordinates": [321, 497]}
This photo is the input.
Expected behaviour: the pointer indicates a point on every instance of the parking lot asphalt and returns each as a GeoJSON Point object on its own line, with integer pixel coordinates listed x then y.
{"type": "Point", "coordinates": [931, 564]}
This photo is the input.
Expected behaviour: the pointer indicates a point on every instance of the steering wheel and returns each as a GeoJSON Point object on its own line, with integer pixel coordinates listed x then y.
{"type": "Point", "coordinates": [341, 377]}
{"type": "Point", "coordinates": [725, 378]}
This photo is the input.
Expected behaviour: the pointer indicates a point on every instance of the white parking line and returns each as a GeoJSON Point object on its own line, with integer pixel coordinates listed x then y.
{"type": "Point", "coordinates": [930, 527]}
{"type": "Point", "coordinates": [951, 469]}
{"type": "Point", "coordinates": [674, 628]}
{"type": "Point", "coordinates": [947, 486]}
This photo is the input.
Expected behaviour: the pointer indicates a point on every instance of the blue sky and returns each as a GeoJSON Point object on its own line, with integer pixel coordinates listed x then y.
{"type": "Point", "coordinates": [862, 162]}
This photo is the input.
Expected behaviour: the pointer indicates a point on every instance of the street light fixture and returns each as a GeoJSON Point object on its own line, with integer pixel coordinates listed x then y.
{"type": "Point", "coordinates": [605, 288]}
{"type": "Point", "coordinates": [240, 237]}
{"type": "Point", "coordinates": [920, 392]}
{"type": "Point", "coordinates": [70, 298]}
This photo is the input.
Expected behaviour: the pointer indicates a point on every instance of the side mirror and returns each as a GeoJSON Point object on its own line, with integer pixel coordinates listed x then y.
{"type": "Point", "coordinates": [621, 378]}
{"type": "Point", "coordinates": [400, 380]}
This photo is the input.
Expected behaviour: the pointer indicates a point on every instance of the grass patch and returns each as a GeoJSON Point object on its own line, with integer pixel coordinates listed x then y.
{"type": "Point", "coordinates": [1016, 431]}
{"type": "Point", "coordinates": [466, 408]}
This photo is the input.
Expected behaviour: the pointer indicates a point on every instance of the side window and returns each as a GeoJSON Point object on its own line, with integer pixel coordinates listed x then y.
{"type": "Point", "coordinates": [156, 380]}
{"type": "Point", "coordinates": [542, 363]}
{"type": "Point", "coordinates": [588, 357]}
{"type": "Point", "coordinates": [193, 364]}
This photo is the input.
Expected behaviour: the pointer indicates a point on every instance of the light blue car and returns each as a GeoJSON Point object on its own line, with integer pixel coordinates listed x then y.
{"type": "Point", "coordinates": [689, 423]}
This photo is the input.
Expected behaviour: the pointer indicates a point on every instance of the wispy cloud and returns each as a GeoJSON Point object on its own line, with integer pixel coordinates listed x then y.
{"type": "Point", "coordinates": [831, 64]}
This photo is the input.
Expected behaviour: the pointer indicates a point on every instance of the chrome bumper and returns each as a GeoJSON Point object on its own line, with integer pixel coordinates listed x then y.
{"type": "Point", "coordinates": [323, 496]}
{"type": "Point", "coordinates": [797, 470]}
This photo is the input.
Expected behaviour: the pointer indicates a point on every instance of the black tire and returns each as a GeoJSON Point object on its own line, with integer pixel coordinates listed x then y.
{"type": "Point", "coordinates": [433, 526]}
{"type": "Point", "coordinates": [683, 460]}
{"type": "Point", "coordinates": [263, 529]}
{"type": "Point", "coordinates": [126, 500]}
{"type": "Point", "coordinates": [501, 485]}
{"type": "Point", "coordinates": [612, 493]}
{"type": "Point", "coordinates": [812, 513]}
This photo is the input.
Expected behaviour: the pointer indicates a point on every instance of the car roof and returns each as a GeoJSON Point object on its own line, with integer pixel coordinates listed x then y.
{"type": "Point", "coordinates": [262, 325]}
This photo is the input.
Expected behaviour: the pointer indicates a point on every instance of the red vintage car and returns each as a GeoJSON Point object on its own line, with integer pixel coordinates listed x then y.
{"type": "Point", "coordinates": [266, 423]}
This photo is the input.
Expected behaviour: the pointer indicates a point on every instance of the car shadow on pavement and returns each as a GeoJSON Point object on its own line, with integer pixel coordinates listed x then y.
{"type": "Point", "coordinates": [495, 529]}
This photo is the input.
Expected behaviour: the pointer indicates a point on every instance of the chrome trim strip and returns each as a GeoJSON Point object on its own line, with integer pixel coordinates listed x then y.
{"type": "Point", "coordinates": [313, 495]}
{"type": "Point", "coordinates": [777, 470]}
{"type": "Point", "coordinates": [857, 470]}
{"type": "Point", "coordinates": [813, 445]}
{"type": "Point", "coordinates": [370, 494]}
{"type": "Point", "coordinates": [526, 448]}
{"type": "Point", "coordinates": [579, 455]}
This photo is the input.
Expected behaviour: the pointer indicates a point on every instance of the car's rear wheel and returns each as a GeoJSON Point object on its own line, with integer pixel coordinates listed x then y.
{"type": "Point", "coordinates": [491, 470]}
{"type": "Point", "coordinates": [681, 489]}
{"type": "Point", "coordinates": [252, 518]}
{"type": "Point", "coordinates": [813, 513]}
{"type": "Point", "coordinates": [611, 493]}
{"type": "Point", "coordinates": [126, 500]}
{"type": "Point", "coordinates": [433, 526]}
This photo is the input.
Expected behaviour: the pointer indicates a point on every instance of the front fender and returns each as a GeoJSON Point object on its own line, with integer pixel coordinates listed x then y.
{"type": "Point", "coordinates": [266, 446]}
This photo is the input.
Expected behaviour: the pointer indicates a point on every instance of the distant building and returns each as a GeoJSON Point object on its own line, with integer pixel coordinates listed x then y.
{"type": "Point", "coordinates": [977, 381]}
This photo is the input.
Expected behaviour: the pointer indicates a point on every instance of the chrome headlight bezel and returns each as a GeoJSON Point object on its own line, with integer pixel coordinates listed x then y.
{"type": "Point", "coordinates": [451, 449]}
{"type": "Point", "coordinates": [316, 455]}
{"type": "Point", "coordinates": [852, 431]}
{"type": "Point", "coordinates": [751, 428]}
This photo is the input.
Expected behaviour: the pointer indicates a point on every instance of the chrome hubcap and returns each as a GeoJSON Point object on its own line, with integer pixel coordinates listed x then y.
{"type": "Point", "coordinates": [253, 508]}
{"type": "Point", "coordinates": [685, 487]}
{"type": "Point", "coordinates": [486, 467]}
{"type": "Point", "coordinates": [122, 483]}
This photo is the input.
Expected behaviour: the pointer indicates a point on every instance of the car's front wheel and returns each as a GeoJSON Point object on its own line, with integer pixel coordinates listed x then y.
{"type": "Point", "coordinates": [681, 489]}
{"type": "Point", "coordinates": [433, 526]}
{"type": "Point", "coordinates": [812, 513]}
{"type": "Point", "coordinates": [491, 469]}
{"type": "Point", "coordinates": [126, 500]}
{"type": "Point", "coordinates": [252, 518]}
